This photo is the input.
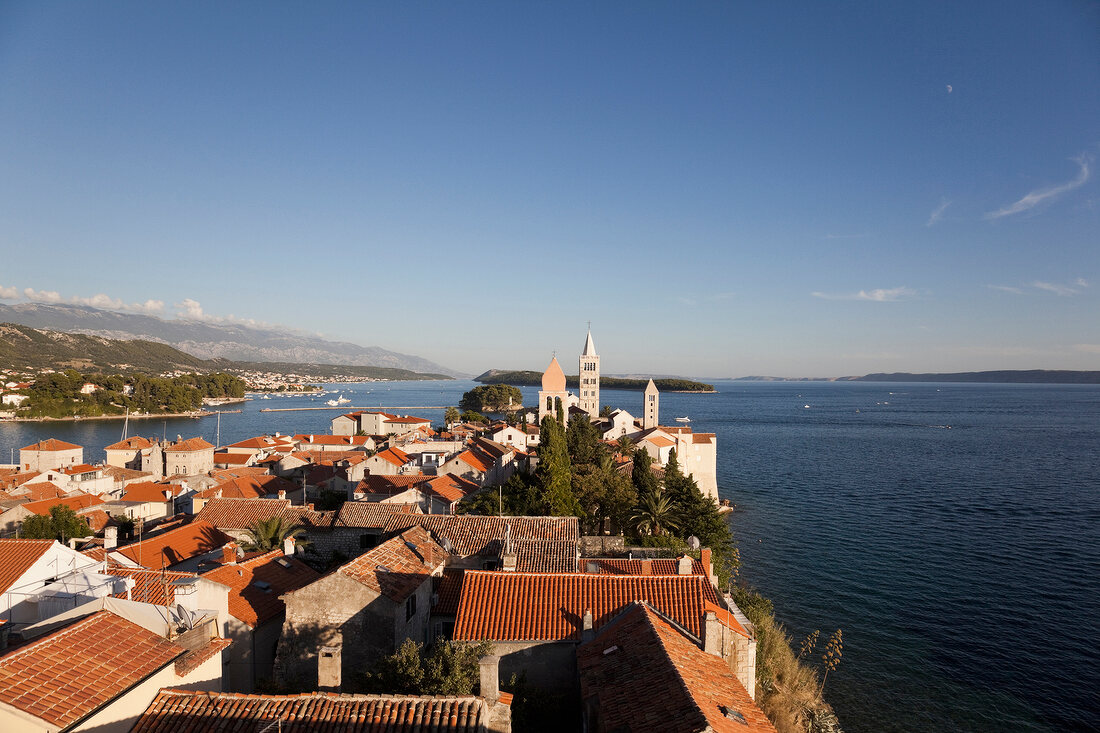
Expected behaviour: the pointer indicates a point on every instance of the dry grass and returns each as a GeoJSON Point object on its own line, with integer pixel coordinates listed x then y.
{"type": "Point", "coordinates": [788, 691]}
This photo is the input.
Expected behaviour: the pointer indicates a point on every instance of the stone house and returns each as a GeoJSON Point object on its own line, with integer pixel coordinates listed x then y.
{"type": "Point", "coordinates": [191, 457]}
{"type": "Point", "coordinates": [50, 454]}
{"type": "Point", "coordinates": [256, 611]}
{"type": "Point", "coordinates": [137, 454]}
{"type": "Point", "coordinates": [360, 612]}
{"type": "Point", "coordinates": [12, 519]}
{"type": "Point", "coordinates": [389, 462]}
{"type": "Point", "coordinates": [235, 516]}
{"type": "Point", "coordinates": [355, 528]}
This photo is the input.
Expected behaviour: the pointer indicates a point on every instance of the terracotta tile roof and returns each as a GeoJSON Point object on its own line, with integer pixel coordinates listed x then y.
{"type": "Point", "coordinates": [408, 420]}
{"type": "Point", "coordinates": [450, 487]}
{"type": "Point", "coordinates": [16, 558]}
{"type": "Point", "coordinates": [224, 474]}
{"type": "Point", "coordinates": [471, 534]}
{"type": "Point", "coordinates": [505, 606]}
{"type": "Point", "coordinates": [249, 487]}
{"type": "Point", "coordinates": [176, 545]}
{"type": "Point", "coordinates": [727, 619]}
{"type": "Point", "coordinates": [370, 514]}
{"type": "Point", "coordinates": [702, 437]}
{"type": "Point", "coordinates": [262, 442]}
{"type": "Point", "coordinates": [686, 689]}
{"type": "Point", "coordinates": [15, 480]}
{"type": "Point", "coordinates": [80, 468]}
{"type": "Point", "coordinates": [192, 660]}
{"type": "Point", "coordinates": [233, 459]}
{"type": "Point", "coordinates": [390, 485]}
{"type": "Point", "coordinates": [149, 491]}
{"type": "Point", "coordinates": [332, 439]}
{"type": "Point", "coordinates": [660, 441]}
{"type": "Point", "coordinates": [150, 586]}
{"type": "Point", "coordinates": [397, 567]}
{"type": "Point", "coordinates": [256, 584]}
{"type": "Point", "coordinates": [76, 503]}
{"type": "Point", "coordinates": [209, 712]}
{"type": "Point", "coordinates": [396, 456]}
{"type": "Point", "coordinates": [39, 491]}
{"type": "Point", "coordinates": [52, 444]}
{"type": "Point", "coordinates": [624, 566]}
{"type": "Point", "coordinates": [69, 674]}
{"type": "Point", "coordinates": [448, 588]}
{"type": "Point", "coordinates": [134, 443]}
{"type": "Point", "coordinates": [475, 460]}
{"type": "Point", "coordinates": [545, 556]}
{"type": "Point", "coordinates": [188, 446]}
{"type": "Point", "coordinates": [97, 519]}
{"type": "Point", "coordinates": [239, 514]}
{"type": "Point", "coordinates": [96, 553]}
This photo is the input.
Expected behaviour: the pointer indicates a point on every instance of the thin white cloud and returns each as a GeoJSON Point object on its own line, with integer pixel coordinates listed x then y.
{"type": "Point", "coordinates": [1088, 348]}
{"type": "Point", "coordinates": [8, 293]}
{"type": "Point", "coordinates": [1039, 195]}
{"type": "Point", "coordinates": [950, 88]}
{"type": "Point", "coordinates": [99, 300]}
{"type": "Point", "coordinates": [1061, 290]}
{"type": "Point", "coordinates": [1006, 289]}
{"type": "Point", "coordinates": [937, 213]}
{"type": "Point", "coordinates": [878, 295]}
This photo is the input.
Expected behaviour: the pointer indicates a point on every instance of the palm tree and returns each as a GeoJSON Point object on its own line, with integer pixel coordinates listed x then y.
{"type": "Point", "coordinates": [265, 535]}
{"type": "Point", "coordinates": [655, 514]}
{"type": "Point", "coordinates": [626, 445]}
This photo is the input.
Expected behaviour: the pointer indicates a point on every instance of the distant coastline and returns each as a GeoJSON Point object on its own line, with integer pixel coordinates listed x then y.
{"type": "Point", "coordinates": [196, 414]}
{"type": "Point", "coordinates": [1018, 376]}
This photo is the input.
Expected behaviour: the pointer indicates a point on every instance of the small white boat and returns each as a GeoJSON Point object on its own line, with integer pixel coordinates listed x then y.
{"type": "Point", "coordinates": [332, 403]}
{"type": "Point", "coordinates": [683, 419]}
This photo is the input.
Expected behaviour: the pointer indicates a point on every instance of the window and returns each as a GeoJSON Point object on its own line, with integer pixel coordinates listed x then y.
{"type": "Point", "coordinates": [367, 541]}
{"type": "Point", "coordinates": [410, 607]}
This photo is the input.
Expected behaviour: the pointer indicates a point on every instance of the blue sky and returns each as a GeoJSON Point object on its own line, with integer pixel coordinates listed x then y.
{"type": "Point", "coordinates": [723, 189]}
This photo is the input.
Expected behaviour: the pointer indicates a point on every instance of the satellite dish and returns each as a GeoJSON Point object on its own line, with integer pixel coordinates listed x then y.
{"type": "Point", "coordinates": [185, 616]}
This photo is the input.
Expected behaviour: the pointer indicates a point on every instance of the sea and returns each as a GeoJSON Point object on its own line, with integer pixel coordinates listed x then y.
{"type": "Point", "coordinates": [952, 531]}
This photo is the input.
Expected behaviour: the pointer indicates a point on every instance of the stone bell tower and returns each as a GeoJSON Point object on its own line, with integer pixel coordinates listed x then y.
{"type": "Point", "coordinates": [589, 387]}
{"type": "Point", "coordinates": [553, 393]}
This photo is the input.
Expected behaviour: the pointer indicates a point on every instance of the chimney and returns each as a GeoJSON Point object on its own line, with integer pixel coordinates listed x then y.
{"type": "Point", "coordinates": [110, 538]}
{"type": "Point", "coordinates": [587, 633]}
{"type": "Point", "coordinates": [683, 566]}
{"type": "Point", "coordinates": [508, 561]}
{"type": "Point", "coordinates": [329, 668]}
{"type": "Point", "coordinates": [712, 634]}
{"type": "Point", "coordinates": [229, 553]}
{"type": "Point", "coordinates": [282, 493]}
{"type": "Point", "coordinates": [490, 678]}
{"type": "Point", "coordinates": [289, 546]}
{"type": "Point", "coordinates": [704, 558]}
{"type": "Point", "coordinates": [647, 566]}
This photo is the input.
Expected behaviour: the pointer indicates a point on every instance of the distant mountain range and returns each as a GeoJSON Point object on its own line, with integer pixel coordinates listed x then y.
{"type": "Point", "coordinates": [26, 348]}
{"type": "Point", "coordinates": [207, 340]}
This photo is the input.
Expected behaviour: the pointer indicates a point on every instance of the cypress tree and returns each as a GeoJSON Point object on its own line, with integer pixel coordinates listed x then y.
{"type": "Point", "coordinates": [553, 472]}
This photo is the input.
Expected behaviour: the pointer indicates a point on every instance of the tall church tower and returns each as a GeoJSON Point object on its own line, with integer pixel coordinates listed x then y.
{"type": "Point", "coordinates": [553, 395]}
{"type": "Point", "coordinates": [652, 407]}
{"type": "Point", "coordinates": [589, 387]}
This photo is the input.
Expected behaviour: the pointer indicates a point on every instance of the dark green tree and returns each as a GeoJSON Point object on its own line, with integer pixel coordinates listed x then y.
{"type": "Point", "coordinates": [452, 415]}
{"type": "Point", "coordinates": [583, 441]}
{"type": "Point", "coordinates": [492, 398]}
{"type": "Point", "coordinates": [447, 668]}
{"type": "Point", "coordinates": [553, 472]}
{"type": "Point", "coordinates": [268, 534]}
{"type": "Point", "coordinates": [61, 524]}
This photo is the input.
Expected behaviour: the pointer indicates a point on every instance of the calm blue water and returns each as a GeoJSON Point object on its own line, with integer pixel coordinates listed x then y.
{"type": "Point", "coordinates": [962, 563]}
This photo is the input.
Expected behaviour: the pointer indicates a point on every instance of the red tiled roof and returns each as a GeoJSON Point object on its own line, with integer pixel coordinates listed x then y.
{"type": "Point", "coordinates": [256, 584]}
{"type": "Point", "coordinates": [389, 484]}
{"type": "Point", "coordinates": [264, 441]}
{"type": "Point", "coordinates": [120, 474]}
{"type": "Point", "coordinates": [624, 566]}
{"type": "Point", "coordinates": [39, 491]}
{"type": "Point", "coordinates": [235, 459]}
{"type": "Point", "coordinates": [448, 588]}
{"type": "Point", "coordinates": [249, 487]}
{"type": "Point", "coordinates": [97, 518]}
{"type": "Point", "coordinates": [17, 479]}
{"type": "Point", "coordinates": [81, 468]}
{"type": "Point", "coordinates": [394, 568]}
{"type": "Point", "coordinates": [243, 513]}
{"type": "Point", "coordinates": [470, 534]}
{"type": "Point", "coordinates": [77, 502]}
{"type": "Point", "coordinates": [134, 443]}
{"type": "Point", "coordinates": [188, 446]}
{"type": "Point", "coordinates": [450, 487]}
{"type": "Point", "coordinates": [150, 586]}
{"type": "Point", "coordinates": [545, 556]}
{"type": "Point", "coordinates": [702, 437]}
{"type": "Point", "coordinates": [504, 606]}
{"type": "Point", "coordinates": [370, 513]}
{"type": "Point", "coordinates": [96, 553]}
{"type": "Point", "coordinates": [332, 439]}
{"type": "Point", "coordinates": [474, 459]}
{"type": "Point", "coordinates": [69, 674]}
{"type": "Point", "coordinates": [324, 712]}
{"type": "Point", "coordinates": [149, 491]}
{"type": "Point", "coordinates": [686, 689]}
{"type": "Point", "coordinates": [52, 444]}
{"type": "Point", "coordinates": [16, 558]}
{"type": "Point", "coordinates": [224, 474]}
{"type": "Point", "coordinates": [176, 545]}
{"type": "Point", "coordinates": [396, 456]}
{"type": "Point", "coordinates": [408, 420]}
